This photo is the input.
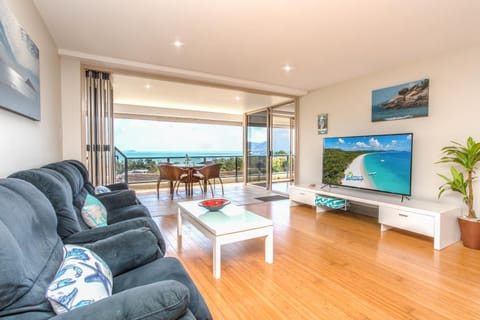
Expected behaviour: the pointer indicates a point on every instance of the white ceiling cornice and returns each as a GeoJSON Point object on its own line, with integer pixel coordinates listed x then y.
{"type": "Point", "coordinates": [178, 73]}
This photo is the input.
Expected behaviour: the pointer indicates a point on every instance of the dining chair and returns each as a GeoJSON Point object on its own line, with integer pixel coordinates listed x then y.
{"type": "Point", "coordinates": [174, 175]}
{"type": "Point", "coordinates": [207, 173]}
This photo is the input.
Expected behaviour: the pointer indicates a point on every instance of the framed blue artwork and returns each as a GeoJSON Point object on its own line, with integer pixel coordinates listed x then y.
{"type": "Point", "coordinates": [19, 67]}
{"type": "Point", "coordinates": [408, 100]}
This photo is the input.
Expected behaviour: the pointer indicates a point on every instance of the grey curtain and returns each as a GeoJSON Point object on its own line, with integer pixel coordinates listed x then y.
{"type": "Point", "coordinates": [99, 127]}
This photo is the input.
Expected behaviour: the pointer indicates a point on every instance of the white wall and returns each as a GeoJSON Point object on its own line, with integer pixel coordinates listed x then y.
{"type": "Point", "coordinates": [71, 108]}
{"type": "Point", "coordinates": [25, 143]}
{"type": "Point", "coordinates": [454, 114]}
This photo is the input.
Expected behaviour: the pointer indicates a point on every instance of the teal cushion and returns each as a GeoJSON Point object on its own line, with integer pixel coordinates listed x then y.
{"type": "Point", "coordinates": [82, 279]}
{"type": "Point", "coordinates": [94, 212]}
{"type": "Point", "coordinates": [330, 202]}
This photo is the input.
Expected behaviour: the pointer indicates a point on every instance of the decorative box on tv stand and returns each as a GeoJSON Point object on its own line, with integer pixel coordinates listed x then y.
{"type": "Point", "coordinates": [331, 203]}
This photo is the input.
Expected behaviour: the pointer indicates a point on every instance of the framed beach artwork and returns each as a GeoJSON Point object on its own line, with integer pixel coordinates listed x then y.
{"type": "Point", "coordinates": [408, 100]}
{"type": "Point", "coordinates": [19, 67]}
{"type": "Point", "coordinates": [322, 123]}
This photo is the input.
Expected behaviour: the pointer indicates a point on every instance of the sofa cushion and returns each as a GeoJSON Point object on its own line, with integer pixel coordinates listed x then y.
{"type": "Point", "coordinates": [57, 189]}
{"type": "Point", "coordinates": [82, 279]}
{"type": "Point", "coordinates": [14, 275]}
{"type": "Point", "coordinates": [126, 250]}
{"type": "Point", "coordinates": [94, 212]}
{"type": "Point", "coordinates": [167, 268]}
{"type": "Point", "coordinates": [161, 300]}
{"type": "Point", "coordinates": [30, 250]}
{"type": "Point", "coordinates": [75, 178]}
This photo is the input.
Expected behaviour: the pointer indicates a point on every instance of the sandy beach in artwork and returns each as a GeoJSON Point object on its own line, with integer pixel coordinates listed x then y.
{"type": "Point", "coordinates": [356, 175]}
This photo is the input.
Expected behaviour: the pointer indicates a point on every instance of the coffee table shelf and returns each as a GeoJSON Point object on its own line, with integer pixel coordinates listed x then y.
{"type": "Point", "coordinates": [228, 225]}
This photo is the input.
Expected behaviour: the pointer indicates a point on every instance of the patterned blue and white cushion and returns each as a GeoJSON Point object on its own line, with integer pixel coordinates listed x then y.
{"type": "Point", "coordinates": [101, 189]}
{"type": "Point", "coordinates": [94, 212]}
{"type": "Point", "coordinates": [82, 279]}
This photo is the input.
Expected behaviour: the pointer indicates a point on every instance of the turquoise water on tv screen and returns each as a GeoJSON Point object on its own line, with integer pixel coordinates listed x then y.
{"type": "Point", "coordinates": [389, 171]}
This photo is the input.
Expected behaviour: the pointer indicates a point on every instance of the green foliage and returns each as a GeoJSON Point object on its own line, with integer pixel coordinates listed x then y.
{"type": "Point", "coordinates": [142, 164]}
{"type": "Point", "coordinates": [228, 164]}
{"type": "Point", "coordinates": [280, 163]}
{"type": "Point", "coordinates": [456, 183]}
{"type": "Point", "coordinates": [335, 162]}
{"type": "Point", "coordinates": [119, 166]}
{"type": "Point", "coordinates": [466, 157]}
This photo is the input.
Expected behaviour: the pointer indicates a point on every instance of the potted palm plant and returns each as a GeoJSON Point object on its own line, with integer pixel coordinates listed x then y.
{"type": "Point", "coordinates": [467, 158]}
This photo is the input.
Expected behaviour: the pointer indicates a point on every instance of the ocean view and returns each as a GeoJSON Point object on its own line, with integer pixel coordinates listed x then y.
{"type": "Point", "coordinates": [394, 114]}
{"type": "Point", "coordinates": [392, 171]}
{"type": "Point", "coordinates": [165, 154]}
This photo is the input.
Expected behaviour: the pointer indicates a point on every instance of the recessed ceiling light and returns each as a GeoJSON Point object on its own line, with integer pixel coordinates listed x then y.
{"type": "Point", "coordinates": [148, 86]}
{"type": "Point", "coordinates": [178, 43]}
{"type": "Point", "coordinates": [237, 98]}
{"type": "Point", "coordinates": [287, 68]}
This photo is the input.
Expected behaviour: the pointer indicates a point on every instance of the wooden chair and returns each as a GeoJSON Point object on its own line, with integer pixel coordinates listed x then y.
{"type": "Point", "coordinates": [192, 178]}
{"type": "Point", "coordinates": [208, 173]}
{"type": "Point", "coordinates": [176, 175]}
{"type": "Point", "coordinates": [173, 175]}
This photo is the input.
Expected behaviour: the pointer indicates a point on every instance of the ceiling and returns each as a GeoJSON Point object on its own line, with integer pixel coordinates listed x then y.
{"type": "Point", "coordinates": [141, 91]}
{"type": "Point", "coordinates": [246, 43]}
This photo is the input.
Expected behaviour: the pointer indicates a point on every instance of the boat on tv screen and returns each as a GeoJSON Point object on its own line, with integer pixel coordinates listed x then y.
{"type": "Point", "coordinates": [376, 162]}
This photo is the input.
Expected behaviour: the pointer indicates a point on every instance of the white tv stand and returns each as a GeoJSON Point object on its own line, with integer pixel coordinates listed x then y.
{"type": "Point", "coordinates": [429, 218]}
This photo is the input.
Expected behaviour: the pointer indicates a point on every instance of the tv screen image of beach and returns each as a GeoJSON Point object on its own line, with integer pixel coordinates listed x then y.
{"type": "Point", "coordinates": [375, 162]}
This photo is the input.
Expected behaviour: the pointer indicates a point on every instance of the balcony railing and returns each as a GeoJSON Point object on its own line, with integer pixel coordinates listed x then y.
{"type": "Point", "coordinates": [145, 169]}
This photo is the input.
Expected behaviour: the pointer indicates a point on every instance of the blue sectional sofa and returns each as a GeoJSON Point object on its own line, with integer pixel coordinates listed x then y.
{"type": "Point", "coordinates": [39, 216]}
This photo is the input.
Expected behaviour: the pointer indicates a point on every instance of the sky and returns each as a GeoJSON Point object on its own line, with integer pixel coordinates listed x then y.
{"type": "Point", "coordinates": [398, 142]}
{"type": "Point", "coordinates": [148, 135]}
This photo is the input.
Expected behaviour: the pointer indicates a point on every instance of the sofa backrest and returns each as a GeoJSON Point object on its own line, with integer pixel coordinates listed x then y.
{"type": "Point", "coordinates": [30, 252]}
{"type": "Point", "coordinates": [84, 172]}
{"type": "Point", "coordinates": [76, 180]}
{"type": "Point", "coordinates": [58, 190]}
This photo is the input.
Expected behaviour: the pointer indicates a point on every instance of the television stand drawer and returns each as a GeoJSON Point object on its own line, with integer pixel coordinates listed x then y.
{"type": "Point", "coordinates": [407, 220]}
{"type": "Point", "coordinates": [302, 196]}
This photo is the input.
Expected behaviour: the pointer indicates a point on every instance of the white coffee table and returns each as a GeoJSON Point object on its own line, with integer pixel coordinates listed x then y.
{"type": "Point", "coordinates": [231, 224]}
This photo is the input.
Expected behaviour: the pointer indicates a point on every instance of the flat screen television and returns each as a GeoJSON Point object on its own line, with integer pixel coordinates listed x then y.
{"type": "Point", "coordinates": [373, 162]}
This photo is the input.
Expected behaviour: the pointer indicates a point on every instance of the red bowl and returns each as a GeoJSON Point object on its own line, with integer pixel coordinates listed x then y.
{"type": "Point", "coordinates": [214, 204]}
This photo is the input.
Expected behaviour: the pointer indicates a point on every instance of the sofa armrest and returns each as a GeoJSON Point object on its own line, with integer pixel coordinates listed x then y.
{"type": "Point", "coordinates": [118, 199]}
{"type": "Point", "coordinates": [160, 300]}
{"type": "Point", "coordinates": [93, 235]}
{"type": "Point", "coordinates": [127, 250]}
{"type": "Point", "coordinates": [127, 213]}
{"type": "Point", "coordinates": [117, 186]}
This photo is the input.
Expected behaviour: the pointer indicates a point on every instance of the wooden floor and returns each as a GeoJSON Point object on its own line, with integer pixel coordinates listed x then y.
{"type": "Point", "coordinates": [333, 265]}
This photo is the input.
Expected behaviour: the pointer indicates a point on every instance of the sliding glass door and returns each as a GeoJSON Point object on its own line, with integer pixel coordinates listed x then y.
{"type": "Point", "coordinates": [282, 147]}
{"type": "Point", "coordinates": [270, 137]}
{"type": "Point", "coordinates": [257, 148]}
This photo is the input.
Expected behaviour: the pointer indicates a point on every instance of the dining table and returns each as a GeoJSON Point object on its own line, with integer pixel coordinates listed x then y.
{"type": "Point", "coordinates": [190, 170]}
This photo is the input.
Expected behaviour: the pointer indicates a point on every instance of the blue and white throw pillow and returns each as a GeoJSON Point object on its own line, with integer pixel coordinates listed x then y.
{"type": "Point", "coordinates": [94, 212]}
{"type": "Point", "coordinates": [82, 279]}
{"type": "Point", "coordinates": [101, 189]}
